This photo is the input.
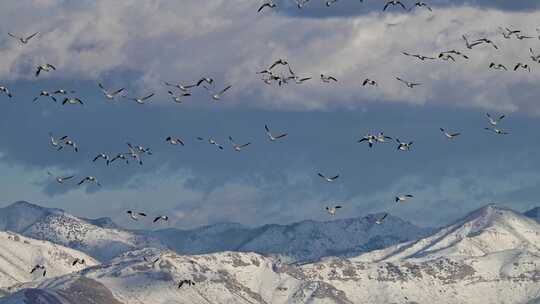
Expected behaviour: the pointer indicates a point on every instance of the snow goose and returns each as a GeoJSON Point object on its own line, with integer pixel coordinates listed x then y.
{"type": "Point", "coordinates": [238, 147]}
{"type": "Point", "coordinates": [448, 134]}
{"type": "Point", "coordinates": [44, 94]}
{"type": "Point", "coordinates": [45, 68]}
{"type": "Point", "coordinates": [22, 39]}
{"type": "Point", "coordinates": [270, 136]}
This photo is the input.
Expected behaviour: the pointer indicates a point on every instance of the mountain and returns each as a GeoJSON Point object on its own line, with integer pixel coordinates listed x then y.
{"type": "Point", "coordinates": [534, 214]}
{"type": "Point", "coordinates": [19, 254]}
{"type": "Point", "coordinates": [94, 237]}
{"type": "Point", "coordinates": [490, 256]}
{"type": "Point", "coordinates": [299, 242]}
{"type": "Point", "coordinates": [303, 241]}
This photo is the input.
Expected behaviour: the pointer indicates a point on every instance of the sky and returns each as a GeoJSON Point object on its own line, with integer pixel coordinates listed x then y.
{"type": "Point", "coordinates": [138, 45]}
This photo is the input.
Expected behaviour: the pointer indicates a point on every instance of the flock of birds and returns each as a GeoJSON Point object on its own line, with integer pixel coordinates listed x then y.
{"type": "Point", "coordinates": [280, 72]}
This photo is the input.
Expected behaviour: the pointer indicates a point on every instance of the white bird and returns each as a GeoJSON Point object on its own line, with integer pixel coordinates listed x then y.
{"type": "Point", "coordinates": [63, 92]}
{"type": "Point", "coordinates": [380, 220]}
{"type": "Point", "coordinates": [327, 79]}
{"type": "Point", "coordinates": [141, 100]}
{"type": "Point", "coordinates": [449, 135]}
{"type": "Point", "coordinates": [408, 83]}
{"type": "Point", "coordinates": [421, 57]}
{"type": "Point", "coordinates": [381, 137]}
{"type": "Point", "coordinates": [217, 95]}
{"type": "Point", "coordinates": [524, 66]}
{"type": "Point", "coordinates": [494, 121]}
{"type": "Point", "coordinates": [134, 215]}
{"type": "Point", "coordinates": [61, 179]}
{"type": "Point", "coordinates": [370, 82]}
{"type": "Point", "coordinates": [139, 149]}
{"type": "Point", "coordinates": [174, 140]}
{"type": "Point", "coordinates": [72, 101]}
{"type": "Point", "coordinates": [328, 179]}
{"type": "Point", "coordinates": [212, 142]}
{"type": "Point", "coordinates": [371, 139]}
{"type": "Point", "coordinates": [394, 3]}
{"type": "Point", "coordinates": [23, 40]}
{"type": "Point", "coordinates": [45, 94]}
{"type": "Point", "coordinates": [208, 80]}
{"type": "Point", "coordinates": [403, 146]}
{"type": "Point", "coordinates": [332, 210]}
{"type": "Point", "coordinates": [181, 87]}
{"type": "Point", "coordinates": [497, 131]}
{"type": "Point", "coordinates": [470, 45]}
{"type": "Point", "coordinates": [403, 198]}
{"type": "Point", "coordinates": [69, 142]}
{"type": "Point", "coordinates": [178, 98]}
{"type": "Point", "coordinates": [56, 143]}
{"type": "Point", "coordinates": [272, 137]}
{"type": "Point", "coordinates": [6, 91]}
{"type": "Point", "coordinates": [109, 95]}
{"type": "Point", "coordinates": [122, 156]}
{"type": "Point", "coordinates": [135, 154]}
{"type": "Point", "coordinates": [236, 146]}
{"type": "Point", "coordinates": [497, 66]}
{"type": "Point", "coordinates": [161, 217]}
{"type": "Point", "coordinates": [487, 41]}
{"type": "Point", "coordinates": [101, 156]}
{"type": "Point", "coordinates": [44, 67]}
{"type": "Point", "coordinates": [90, 179]}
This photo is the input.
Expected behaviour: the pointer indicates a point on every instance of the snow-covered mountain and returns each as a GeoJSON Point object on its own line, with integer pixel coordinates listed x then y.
{"type": "Point", "coordinates": [490, 256]}
{"type": "Point", "coordinates": [303, 241]}
{"type": "Point", "coordinates": [94, 237]}
{"type": "Point", "coordinates": [534, 213]}
{"type": "Point", "coordinates": [19, 254]}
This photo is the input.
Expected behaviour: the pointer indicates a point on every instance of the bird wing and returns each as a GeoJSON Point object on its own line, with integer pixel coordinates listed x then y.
{"type": "Point", "coordinates": [68, 177]}
{"type": "Point", "coordinates": [141, 214]}
{"type": "Point", "coordinates": [454, 134]}
{"type": "Point", "coordinates": [156, 219]}
{"type": "Point", "coordinates": [225, 89]}
{"type": "Point", "coordinates": [147, 96]}
{"type": "Point", "coordinates": [260, 9]}
{"type": "Point", "coordinates": [31, 36]}
{"type": "Point", "coordinates": [14, 36]}
{"type": "Point", "coordinates": [282, 135]}
{"type": "Point", "coordinates": [117, 91]}
{"type": "Point", "coordinates": [335, 177]}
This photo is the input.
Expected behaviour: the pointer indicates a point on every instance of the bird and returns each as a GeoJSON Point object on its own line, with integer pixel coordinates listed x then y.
{"type": "Point", "coordinates": [45, 94]}
{"type": "Point", "coordinates": [56, 143]}
{"type": "Point", "coordinates": [497, 131]}
{"type": "Point", "coordinates": [217, 96]}
{"type": "Point", "coordinates": [299, 80]}
{"type": "Point", "coordinates": [44, 67]}
{"type": "Point", "coordinates": [300, 3]}
{"type": "Point", "coordinates": [236, 146]}
{"type": "Point", "coordinates": [174, 140]}
{"type": "Point", "coordinates": [507, 33]}
{"type": "Point", "coordinates": [63, 92]}
{"type": "Point", "coordinates": [23, 40]}
{"type": "Point", "coordinates": [328, 179]}
{"type": "Point", "coordinates": [394, 3]}
{"type": "Point", "coordinates": [272, 137]}
{"type": "Point", "coordinates": [186, 282]}
{"type": "Point", "coordinates": [408, 84]}
{"type": "Point", "coordinates": [72, 101]}
{"type": "Point", "coordinates": [332, 210]}
{"type": "Point", "coordinates": [141, 100]}
{"type": "Point", "coordinates": [279, 61]}
{"type": "Point", "coordinates": [369, 81]}
{"type": "Point", "coordinates": [78, 261]}
{"type": "Point", "coordinates": [371, 139]}
{"type": "Point", "coordinates": [534, 57]}
{"type": "Point", "coordinates": [139, 149]}
{"type": "Point", "coordinates": [446, 57]}
{"type": "Point", "coordinates": [330, 2]}
{"type": "Point", "coordinates": [69, 142]}
{"type": "Point", "coordinates": [381, 137]}
{"type": "Point", "coordinates": [521, 37]}
{"type": "Point", "coordinates": [134, 154]}
{"type": "Point", "coordinates": [61, 179]}
{"type": "Point", "coordinates": [183, 88]}
{"type": "Point", "coordinates": [522, 66]}
{"type": "Point", "coordinates": [495, 120]}
{"type": "Point", "coordinates": [380, 220]}
{"type": "Point", "coordinates": [470, 45]}
{"type": "Point", "coordinates": [208, 80]}
{"type": "Point", "coordinates": [110, 95]}
{"type": "Point", "coordinates": [161, 217]}
{"type": "Point", "coordinates": [449, 135]}
{"type": "Point", "coordinates": [485, 40]}
{"type": "Point", "coordinates": [212, 142]}
{"type": "Point", "coordinates": [39, 266]}
{"type": "Point", "coordinates": [178, 98]}
{"type": "Point", "coordinates": [90, 179]}
{"type": "Point", "coordinates": [269, 4]}
{"type": "Point", "coordinates": [403, 146]}
{"type": "Point", "coordinates": [497, 66]}
{"type": "Point", "coordinates": [421, 57]}
{"type": "Point", "coordinates": [455, 52]}
{"type": "Point", "coordinates": [134, 215]}
{"type": "Point", "coordinates": [403, 198]}
{"type": "Point", "coordinates": [422, 4]}
{"type": "Point", "coordinates": [327, 79]}
{"type": "Point", "coordinates": [6, 91]}
{"type": "Point", "coordinates": [101, 156]}
{"type": "Point", "coordinates": [122, 156]}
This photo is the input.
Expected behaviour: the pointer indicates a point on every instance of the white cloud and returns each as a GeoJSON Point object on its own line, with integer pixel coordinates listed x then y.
{"type": "Point", "coordinates": [170, 40]}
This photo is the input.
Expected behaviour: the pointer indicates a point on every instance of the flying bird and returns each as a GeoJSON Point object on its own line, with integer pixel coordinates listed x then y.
{"type": "Point", "coordinates": [6, 91]}
{"type": "Point", "coordinates": [135, 215]}
{"type": "Point", "coordinates": [181, 87]}
{"type": "Point", "coordinates": [497, 131]}
{"type": "Point", "coordinates": [238, 147]}
{"type": "Point", "coordinates": [101, 156]}
{"type": "Point", "coordinates": [61, 179]}
{"type": "Point", "coordinates": [371, 139]}
{"type": "Point", "coordinates": [404, 146]}
{"type": "Point", "coordinates": [45, 68]}
{"type": "Point", "coordinates": [487, 41]}
{"type": "Point", "coordinates": [208, 80]}
{"type": "Point", "coordinates": [408, 83]}
{"type": "Point", "coordinates": [403, 198]}
{"type": "Point", "coordinates": [90, 179]}
{"type": "Point", "coordinates": [44, 94]}
{"type": "Point", "coordinates": [174, 140]}
{"type": "Point", "coordinates": [56, 143]}
{"type": "Point", "coordinates": [368, 81]}
{"type": "Point", "coordinates": [271, 137]}
{"type": "Point", "coordinates": [448, 134]}
{"type": "Point", "coordinates": [497, 66]}
{"type": "Point", "coordinates": [23, 40]}
{"type": "Point", "coordinates": [328, 179]}
{"type": "Point", "coordinates": [421, 57]}
{"type": "Point", "coordinates": [110, 95]}
{"type": "Point", "coordinates": [470, 45]}
{"type": "Point", "coordinates": [141, 100]}
{"type": "Point", "coordinates": [161, 218]}
{"type": "Point", "coordinates": [37, 267]}
{"type": "Point", "coordinates": [72, 101]}
{"type": "Point", "coordinates": [495, 120]}
{"type": "Point", "coordinates": [380, 220]}
{"type": "Point", "coordinates": [122, 156]}
{"type": "Point", "coordinates": [268, 4]}
{"type": "Point", "coordinates": [522, 66]}
{"type": "Point", "coordinates": [332, 210]}
{"type": "Point", "coordinates": [178, 98]}
{"type": "Point", "coordinates": [217, 95]}
{"type": "Point", "coordinates": [69, 142]}
{"type": "Point", "coordinates": [63, 92]}
{"type": "Point", "coordinates": [327, 79]}
{"type": "Point", "coordinates": [394, 3]}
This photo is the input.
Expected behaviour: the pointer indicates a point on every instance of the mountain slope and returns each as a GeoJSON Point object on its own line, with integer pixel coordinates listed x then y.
{"type": "Point", "coordinates": [534, 214]}
{"type": "Point", "coordinates": [489, 257]}
{"type": "Point", "coordinates": [59, 227]}
{"type": "Point", "coordinates": [18, 255]}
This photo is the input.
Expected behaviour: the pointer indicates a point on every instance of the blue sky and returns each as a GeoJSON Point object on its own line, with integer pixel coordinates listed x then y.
{"type": "Point", "coordinates": [140, 47]}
